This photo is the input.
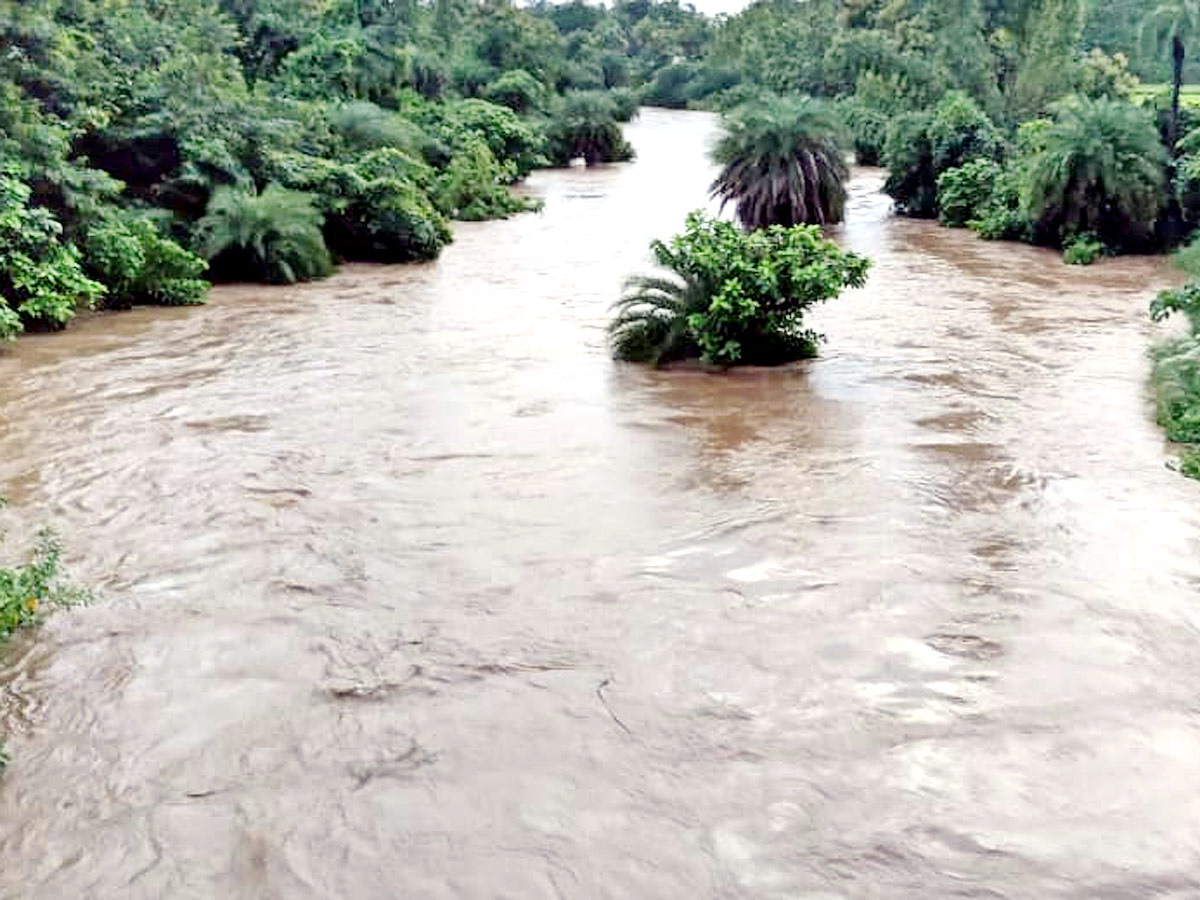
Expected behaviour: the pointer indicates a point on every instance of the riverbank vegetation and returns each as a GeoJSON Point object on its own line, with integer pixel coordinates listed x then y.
{"type": "Point", "coordinates": [148, 148]}
{"type": "Point", "coordinates": [1175, 375]}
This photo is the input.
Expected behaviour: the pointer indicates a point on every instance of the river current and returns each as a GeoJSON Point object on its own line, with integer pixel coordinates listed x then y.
{"type": "Point", "coordinates": [407, 590]}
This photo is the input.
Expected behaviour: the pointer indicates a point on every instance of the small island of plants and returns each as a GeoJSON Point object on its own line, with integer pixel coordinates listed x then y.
{"type": "Point", "coordinates": [732, 297]}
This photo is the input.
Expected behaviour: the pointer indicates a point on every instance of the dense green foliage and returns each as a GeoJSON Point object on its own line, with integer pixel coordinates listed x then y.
{"type": "Point", "coordinates": [922, 145]}
{"type": "Point", "coordinates": [731, 296]}
{"type": "Point", "coordinates": [138, 136]}
{"type": "Point", "coordinates": [41, 278]}
{"type": "Point", "coordinates": [781, 163]}
{"type": "Point", "coordinates": [1101, 169]}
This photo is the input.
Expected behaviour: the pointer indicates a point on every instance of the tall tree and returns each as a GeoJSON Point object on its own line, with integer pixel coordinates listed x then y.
{"type": "Point", "coordinates": [1172, 24]}
{"type": "Point", "coordinates": [782, 164]}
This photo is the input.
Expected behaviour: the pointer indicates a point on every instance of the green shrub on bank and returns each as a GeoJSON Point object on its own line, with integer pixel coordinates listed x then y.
{"type": "Point", "coordinates": [1176, 380]}
{"type": "Point", "coordinates": [732, 297]}
{"type": "Point", "coordinates": [390, 220]}
{"type": "Point", "coordinates": [139, 265]}
{"type": "Point", "coordinates": [1101, 168]}
{"type": "Point", "coordinates": [506, 135]}
{"type": "Point", "coordinates": [1175, 373]}
{"type": "Point", "coordinates": [41, 278]}
{"type": "Point", "coordinates": [274, 237]}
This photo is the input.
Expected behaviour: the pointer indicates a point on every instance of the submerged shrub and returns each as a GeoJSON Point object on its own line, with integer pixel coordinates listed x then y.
{"type": "Point", "coordinates": [625, 103]}
{"type": "Point", "coordinates": [966, 191]}
{"type": "Point", "coordinates": [139, 265]}
{"type": "Point", "coordinates": [584, 124]}
{"type": "Point", "coordinates": [670, 87]}
{"type": "Point", "coordinates": [1083, 250]}
{"type": "Point", "coordinates": [730, 296]}
{"type": "Point", "coordinates": [868, 131]}
{"type": "Point", "coordinates": [274, 237]}
{"type": "Point", "coordinates": [920, 146]}
{"type": "Point", "coordinates": [29, 589]}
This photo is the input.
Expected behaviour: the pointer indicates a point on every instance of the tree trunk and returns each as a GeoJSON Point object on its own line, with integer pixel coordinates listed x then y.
{"type": "Point", "coordinates": [1177, 52]}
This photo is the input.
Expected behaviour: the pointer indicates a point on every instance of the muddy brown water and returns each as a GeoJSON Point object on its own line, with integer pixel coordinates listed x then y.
{"type": "Point", "coordinates": [408, 591]}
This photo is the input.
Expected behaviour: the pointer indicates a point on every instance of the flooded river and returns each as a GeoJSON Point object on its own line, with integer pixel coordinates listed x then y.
{"type": "Point", "coordinates": [408, 591]}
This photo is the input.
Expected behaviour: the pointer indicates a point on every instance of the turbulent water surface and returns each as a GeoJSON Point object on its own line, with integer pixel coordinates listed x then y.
{"type": "Point", "coordinates": [408, 591]}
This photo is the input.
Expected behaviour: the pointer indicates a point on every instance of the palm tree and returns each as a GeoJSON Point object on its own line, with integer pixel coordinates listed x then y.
{"type": "Point", "coordinates": [585, 125]}
{"type": "Point", "coordinates": [651, 322]}
{"type": "Point", "coordinates": [782, 163]}
{"type": "Point", "coordinates": [1172, 23]}
{"type": "Point", "coordinates": [1102, 168]}
{"type": "Point", "coordinates": [274, 236]}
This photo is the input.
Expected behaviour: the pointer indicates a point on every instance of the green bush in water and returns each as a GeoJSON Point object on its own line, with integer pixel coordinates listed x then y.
{"type": "Point", "coordinates": [731, 297]}
{"type": "Point", "coordinates": [585, 125]}
{"type": "Point", "coordinates": [920, 146]}
{"type": "Point", "coordinates": [625, 103]}
{"type": "Point", "coordinates": [41, 278]}
{"type": "Point", "coordinates": [1083, 250]}
{"type": "Point", "coordinates": [966, 191]}
{"type": "Point", "coordinates": [29, 589]}
{"type": "Point", "coordinates": [138, 265]}
{"type": "Point", "coordinates": [273, 237]}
